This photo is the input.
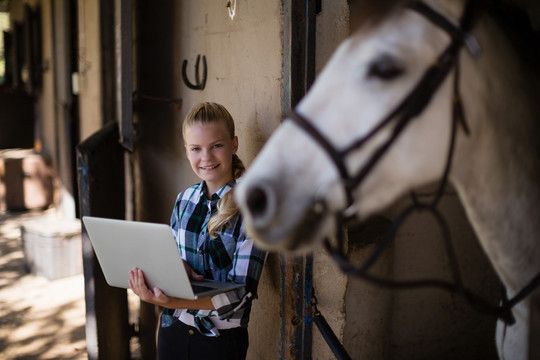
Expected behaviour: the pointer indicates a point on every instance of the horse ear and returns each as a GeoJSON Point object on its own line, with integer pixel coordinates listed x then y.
{"type": "Point", "coordinates": [363, 11]}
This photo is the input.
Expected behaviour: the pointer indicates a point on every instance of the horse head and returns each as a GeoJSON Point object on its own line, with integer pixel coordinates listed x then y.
{"type": "Point", "coordinates": [310, 168]}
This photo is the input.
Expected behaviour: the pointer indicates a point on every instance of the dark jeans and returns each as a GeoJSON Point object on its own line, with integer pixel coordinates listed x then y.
{"type": "Point", "coordinates": [181, 341]}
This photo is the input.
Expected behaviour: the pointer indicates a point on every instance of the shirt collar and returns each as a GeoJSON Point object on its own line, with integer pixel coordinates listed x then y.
{"type": "Point", "coordinates": [219, 194]}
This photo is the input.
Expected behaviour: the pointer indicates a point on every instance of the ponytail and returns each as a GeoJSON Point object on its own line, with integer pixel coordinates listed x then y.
{"type": "Point", "coordinates": [237, 167]}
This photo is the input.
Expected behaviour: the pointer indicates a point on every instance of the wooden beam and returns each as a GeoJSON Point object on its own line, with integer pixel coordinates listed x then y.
{"type": "Point", "coordinates": [299, 72]}
{"type": "Point", "coordinates": [100, 164]}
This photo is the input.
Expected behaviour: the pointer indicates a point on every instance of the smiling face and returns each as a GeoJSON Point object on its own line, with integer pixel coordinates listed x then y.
{"type": "Point", "coordinates": [209, 149]}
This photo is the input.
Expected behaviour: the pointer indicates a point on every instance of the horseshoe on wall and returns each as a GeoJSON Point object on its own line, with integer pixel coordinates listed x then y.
{"type": "Point", "coordinates": [199, 85]}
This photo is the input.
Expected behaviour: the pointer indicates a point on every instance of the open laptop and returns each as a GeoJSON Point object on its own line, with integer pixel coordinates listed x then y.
{"type": "Point", "coordinates": [122, 245]}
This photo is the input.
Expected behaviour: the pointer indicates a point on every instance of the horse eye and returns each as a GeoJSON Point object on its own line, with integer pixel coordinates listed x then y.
{"type": "Point", "coordinates": [385, 68]}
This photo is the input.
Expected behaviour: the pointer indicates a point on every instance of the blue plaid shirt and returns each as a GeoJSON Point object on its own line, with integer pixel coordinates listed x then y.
{"type": "Point", "coordinates": [231, 256]}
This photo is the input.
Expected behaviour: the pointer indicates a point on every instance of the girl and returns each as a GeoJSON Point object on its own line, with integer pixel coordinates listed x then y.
{"type": "Point", "coordinates": [212, 241]}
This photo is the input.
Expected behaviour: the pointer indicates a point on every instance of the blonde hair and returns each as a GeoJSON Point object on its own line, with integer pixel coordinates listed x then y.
{"type": "Point", "coordinates": [209, 112]}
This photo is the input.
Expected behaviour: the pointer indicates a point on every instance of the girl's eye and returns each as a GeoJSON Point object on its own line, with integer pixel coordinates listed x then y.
{"type": "Point", "coordinates": [217, 146]}
{"type": "Point", "coordinates": [195, 149]}
{"type": "Point", "coordinates": [385, 67]}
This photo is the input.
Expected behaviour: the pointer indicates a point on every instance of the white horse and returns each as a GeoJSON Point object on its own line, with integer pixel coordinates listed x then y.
{"type": "Point", "coordinates": [292, 190]}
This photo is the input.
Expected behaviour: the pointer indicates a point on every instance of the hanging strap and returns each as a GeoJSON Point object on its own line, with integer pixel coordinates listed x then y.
{"type": "Point", "coordinates": [327, 332]}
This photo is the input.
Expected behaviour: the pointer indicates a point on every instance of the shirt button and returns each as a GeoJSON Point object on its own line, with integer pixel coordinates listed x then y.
{"type": "Point", "coordinates": [191, 332]}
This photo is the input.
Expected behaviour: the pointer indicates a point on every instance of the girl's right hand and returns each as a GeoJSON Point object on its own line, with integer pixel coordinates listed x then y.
{"type": "Point", "coordinates": [138, 285]}
{"type": "Point", "coordinates": [191, 273]}
{"type": "Point", "coordinates": [157, 297]}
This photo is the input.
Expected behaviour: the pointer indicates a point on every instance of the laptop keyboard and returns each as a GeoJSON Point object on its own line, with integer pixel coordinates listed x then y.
{"type": "Point", "coordinates": [199, 288]}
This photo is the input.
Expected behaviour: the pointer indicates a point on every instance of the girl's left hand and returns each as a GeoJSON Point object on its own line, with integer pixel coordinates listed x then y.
{"type": "Point", "coordinates": [137, 284]}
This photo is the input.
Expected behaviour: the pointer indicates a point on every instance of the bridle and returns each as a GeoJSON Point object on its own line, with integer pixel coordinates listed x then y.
{"type": "Point", "coordinates": [410, 107]}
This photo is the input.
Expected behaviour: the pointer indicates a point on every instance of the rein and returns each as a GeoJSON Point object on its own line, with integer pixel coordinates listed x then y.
{"type": "Point", "coordinates": [411, 106]}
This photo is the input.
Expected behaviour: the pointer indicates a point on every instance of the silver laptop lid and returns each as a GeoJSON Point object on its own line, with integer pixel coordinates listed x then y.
{"type": "Point", "coordinates": [121, 245]}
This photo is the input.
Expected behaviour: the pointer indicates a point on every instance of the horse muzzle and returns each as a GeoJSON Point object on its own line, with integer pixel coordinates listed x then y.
{"type": "Point", "coordinates": [260, 206]}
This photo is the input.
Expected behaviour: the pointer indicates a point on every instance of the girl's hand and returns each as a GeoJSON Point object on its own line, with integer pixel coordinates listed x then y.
{"type": "Point", "coordinates": [157, 297]}
{"type": "Point", "coordinates": [138, 286]}
{"type": "Point", "coordinates": [191, 273]}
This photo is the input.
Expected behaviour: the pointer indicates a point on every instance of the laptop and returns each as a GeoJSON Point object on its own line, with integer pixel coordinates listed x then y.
{"type": "Point", "coordinates": [122, 245]}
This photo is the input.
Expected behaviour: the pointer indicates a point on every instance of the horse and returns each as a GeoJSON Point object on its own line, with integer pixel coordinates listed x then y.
{"type": "Point", "coordinates": [360, 139]}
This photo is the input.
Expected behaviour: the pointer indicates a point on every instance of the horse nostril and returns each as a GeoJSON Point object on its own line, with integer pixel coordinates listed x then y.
{"type": "Point", "coordinates": [257, 202]}
{"type": "Point", "coordinates": [261, 204]}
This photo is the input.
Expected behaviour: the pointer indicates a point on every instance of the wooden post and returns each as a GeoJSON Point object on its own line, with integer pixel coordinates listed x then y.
{"type": "Point", "coordinates": [100, 163]}
{"type": "Point", "coordinates": [299, 73]}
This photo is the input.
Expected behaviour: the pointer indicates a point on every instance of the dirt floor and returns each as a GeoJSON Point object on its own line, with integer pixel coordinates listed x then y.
{"type": "Point", "coordinates": [39, 318]}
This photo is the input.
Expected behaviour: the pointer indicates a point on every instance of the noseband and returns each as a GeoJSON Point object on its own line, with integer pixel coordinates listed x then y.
{"type": "Point", "coordinates": [410, 107]}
